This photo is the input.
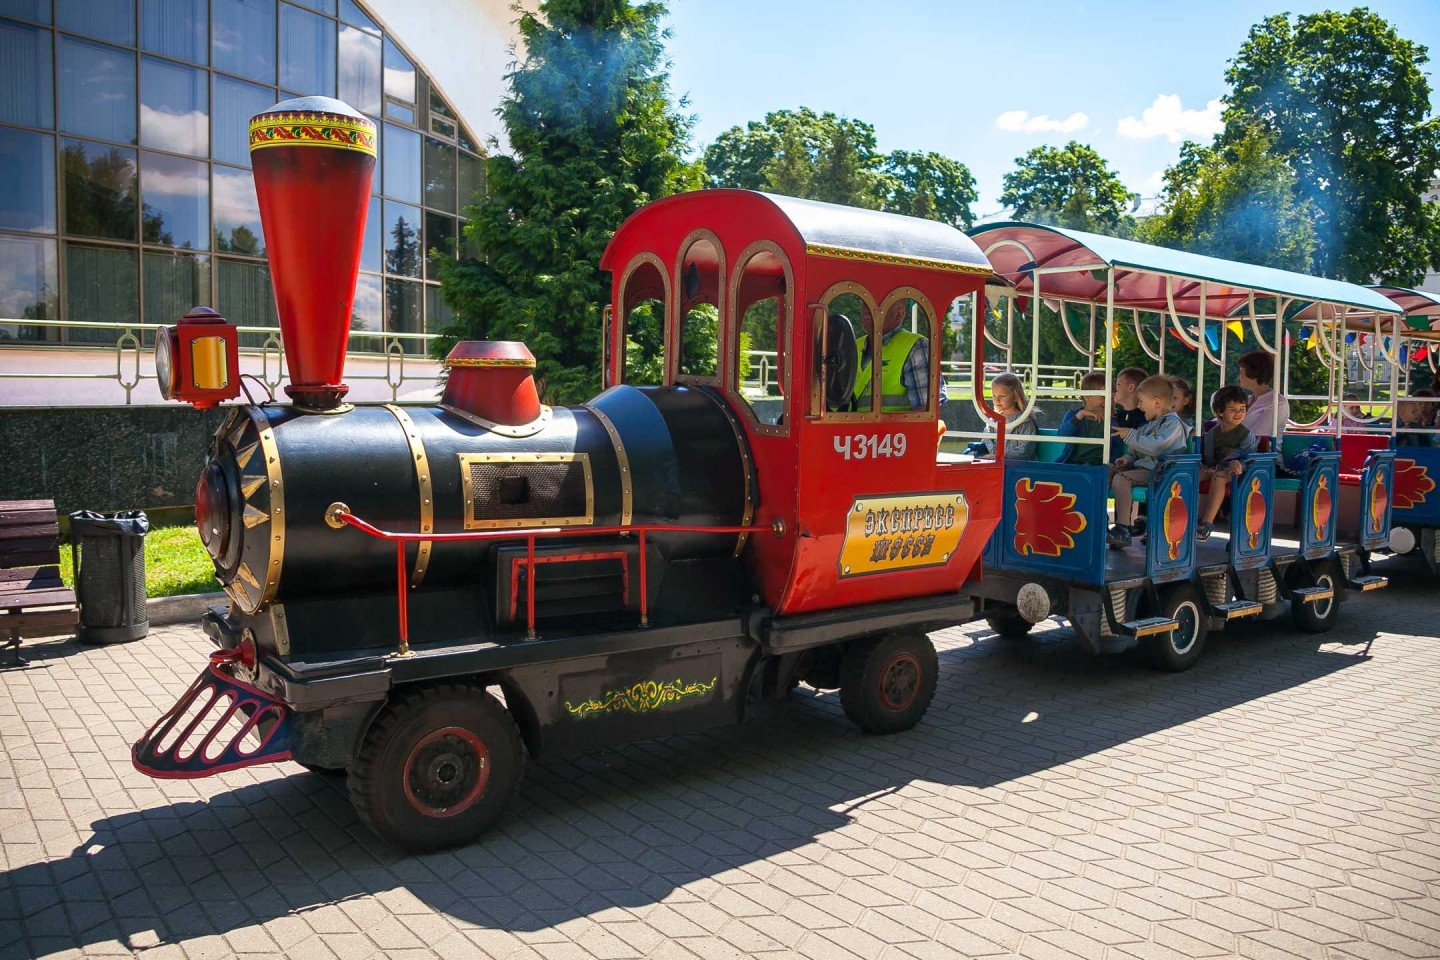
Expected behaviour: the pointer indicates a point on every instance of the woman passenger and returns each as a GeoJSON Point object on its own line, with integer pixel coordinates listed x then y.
{"type": "Point", "coordinates": [1269, 411]}
{"type": "Point", "coordinates": [1007, 396]}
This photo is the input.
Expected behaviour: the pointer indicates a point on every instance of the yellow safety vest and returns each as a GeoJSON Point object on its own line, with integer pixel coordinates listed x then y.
{"type": "Point", "coordinates": [894, 398]}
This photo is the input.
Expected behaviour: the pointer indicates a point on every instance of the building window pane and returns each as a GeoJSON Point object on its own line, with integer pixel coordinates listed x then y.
{"type": "Point", "coordinates": [307, 52]}
{"type": "Point", "coordinates": [439, 235]}
{"type": "Point", "coordinates": [372, 253]}
{"type": "Point", "coordinates": [37, 10]}
{"type": "Point", "coordinates": [176, 198]}
{"type": "Point", "coordinates": [235, 103]}
{"type": "Point", "coordinates": [437, 315]}
{"type": "Point", "coordinates": [244, 295]}
{"type": "Point", "coordinates": [100, 287]}
{"type": "Point", "coordinates": [402, 163]}
{"type": "Point", "coordinates": [368, 313]}
{"type": "Point", "coordinates": [176, 28]}
{"type": "Point", "coordinates": [439, 175]}
{"type": "Point", "coordinates": [27, 181]}
{"type": "Point", "coordinates": [360, 75]}
{"type": "Point", "coordinates": [27, 95]}
{"type": "Point", "coordinates": [242, 38]}
{"type": "Point", "coordinates": [97, 90]}
{"type": "Point", "coordinates": [319, 6]}
{"type": "Point", "coordinates": [472, 179]}
{"type": "Point", "coordinates": [112, 20]}
{"type": "Point", "coordinates": [399, 74]}
{"type": "Point", "coordinates": [174, 282]}
{"type": "Point", "coordinates": [402, 312]}
{"type": "Point", "coordinates": [402, 239]}
{"type": "Point", "coordinates": [174, 107]}
{"type": "Point", "coordinates": [397, 111]}
{"type": "Point", "coordinates": [100, 187]}
{"type": "Point", "coordinates": [237, 213]}
{"type": "Point", "coordinates": [442, 118]}
{"type": "Point", "coordinates": [351, 13]}
{"type": "Point", "coordinates": [466, 141]}
{"type": "Point", "coordinates": [28, 287]}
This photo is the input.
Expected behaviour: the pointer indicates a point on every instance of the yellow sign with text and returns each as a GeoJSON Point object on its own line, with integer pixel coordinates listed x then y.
{"type": "Point", "coordinates": [902, 532]}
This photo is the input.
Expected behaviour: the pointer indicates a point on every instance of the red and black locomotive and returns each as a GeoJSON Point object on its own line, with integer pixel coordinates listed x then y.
{"type": "Point", "coordinates": [650, 562]}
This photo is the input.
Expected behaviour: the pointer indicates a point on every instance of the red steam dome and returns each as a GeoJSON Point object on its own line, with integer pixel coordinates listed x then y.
{"type": "Point", "coordinates": [313, 160]}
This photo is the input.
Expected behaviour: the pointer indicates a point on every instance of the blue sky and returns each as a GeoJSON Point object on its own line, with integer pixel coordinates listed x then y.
{"type": "Point", "coordinates": [985, 82]}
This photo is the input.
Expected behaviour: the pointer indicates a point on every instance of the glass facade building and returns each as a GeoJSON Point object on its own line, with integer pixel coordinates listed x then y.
{"type": "Point", "coordinates": [125, 188]}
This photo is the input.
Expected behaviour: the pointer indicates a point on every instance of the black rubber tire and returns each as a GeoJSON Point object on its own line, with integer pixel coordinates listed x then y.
{"type": "Point", "coordinates": [324, 771]}
{"type": "Point", "coordinates": [822, 671]}
{"type": "Point", "coordinates": [1008, 624]}
{"type": "Point", "coordinates": [1180, 648]}
{"type": "Point", "coordinates": [454, 718]}
{"type": "Point", "coordinates": [887, 683]}
{"type": "Point", "coordinates": [1319, 617]}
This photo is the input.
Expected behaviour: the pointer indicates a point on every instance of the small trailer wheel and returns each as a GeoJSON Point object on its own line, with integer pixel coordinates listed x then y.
{"type": "Point", "coordinates": [1178, 649]}
{"type": "Point", "coordinates": [1008, 624]}
{"type": "Point", "coordinates": [336, 772]}
{"type": "Point", "coordinates": [887, 683]}
{"type": "Point", "coordinates": [438, 768]}
{"type": "Point", "coordinates": [1320, 616]}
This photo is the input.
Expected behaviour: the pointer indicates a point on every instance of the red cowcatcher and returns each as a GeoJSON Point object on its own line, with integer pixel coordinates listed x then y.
{"type": "Point", "coordinates": [313, 159]}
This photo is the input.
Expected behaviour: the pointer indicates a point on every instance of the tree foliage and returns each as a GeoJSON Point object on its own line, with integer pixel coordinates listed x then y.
{"type": "Point", "coordinates": [1070, 186]}
{"type": "Point", "coordinates": [594, 137]}
{"type": "Point", "coordinates": [1345, 99]}
{"type": "Point", "coordinates": [801, 153]}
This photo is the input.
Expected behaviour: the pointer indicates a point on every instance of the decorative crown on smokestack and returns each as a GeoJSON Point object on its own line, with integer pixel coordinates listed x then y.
{"type": "Point", "coordinates": [313, 160]}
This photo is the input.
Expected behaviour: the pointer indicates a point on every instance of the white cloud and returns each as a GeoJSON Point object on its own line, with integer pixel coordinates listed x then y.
{"type": "Point", "coordinates": [1152, 184]}
{"type": "Point", "coordinates": [1167, 118]}
{"type": "Point", "coordinates": [1020, 121]}
{"type": "Point", "coordinates": [183, 132]}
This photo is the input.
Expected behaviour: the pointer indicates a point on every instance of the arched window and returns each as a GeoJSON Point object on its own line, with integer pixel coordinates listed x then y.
{"type": "Point", "coordinates": [855, 303]}
{"type": "Point", "coordinates": [699, 280]}
{"type": "Point", "coordinates": [907, 332]}
{"type": "Point", "coordinates": [760, 317]}
{"type": "Point", "coordinates": [644, 292]}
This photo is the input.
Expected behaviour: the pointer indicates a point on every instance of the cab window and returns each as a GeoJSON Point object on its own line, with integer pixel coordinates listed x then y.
{"type": "Point", "coordinates": [908, 374]}
{"type": "Point", "coordinates": [760, 294]}
{"type": "Point", "coordinates": [701, 270]}
{"type": "Point", "coordinates": [848, 308]}
{"type": "Point", "coordinates": [642, 300]}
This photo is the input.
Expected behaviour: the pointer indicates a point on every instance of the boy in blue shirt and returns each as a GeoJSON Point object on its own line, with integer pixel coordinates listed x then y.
{"type": "Point", "coordinates": [1222, 451]}
{"type": "Point", "coordinates": [1086, 420]}
{"type": "Point", "coordinates": [1162, 433]}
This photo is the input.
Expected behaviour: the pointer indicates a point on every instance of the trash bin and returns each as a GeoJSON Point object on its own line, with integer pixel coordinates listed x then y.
{"type": "Point", "coordinates": [110, 575]}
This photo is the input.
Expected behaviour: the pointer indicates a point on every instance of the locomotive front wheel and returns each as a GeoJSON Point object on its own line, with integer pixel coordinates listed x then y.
{"type": "Point", "coordinates": [887, 683]}
{"type": "Point", "coordinates": [1320, 616]}
{"type": "Point", "coordinates": [1178, 649]}
{"type": "Point", "coordinates": [437, 768]}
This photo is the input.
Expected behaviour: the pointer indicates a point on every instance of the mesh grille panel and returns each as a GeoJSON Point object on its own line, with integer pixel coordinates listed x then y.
{"type": "Point", "coordinates": [528, 491]}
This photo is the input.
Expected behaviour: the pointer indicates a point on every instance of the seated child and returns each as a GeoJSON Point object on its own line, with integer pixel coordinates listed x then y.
{"type": "Point", "coordinates": [1007, 396]}
{"type": "Point", "coordinates": [1184, 404]}
{"type": "Point", "coordinates": [1414, 414]}
{"type": "Point", "coordinates": [1086, 420]}
{"type": "Point", "coordinates": [1222, 452]}
{"type": "Point", "coordinates": [1161, 434]}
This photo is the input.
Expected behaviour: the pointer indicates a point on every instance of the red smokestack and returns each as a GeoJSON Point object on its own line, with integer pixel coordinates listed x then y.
{"type": "Point", "coordinates": [493, 380]}
{"type": "Point", "coordinates": [313, 160]}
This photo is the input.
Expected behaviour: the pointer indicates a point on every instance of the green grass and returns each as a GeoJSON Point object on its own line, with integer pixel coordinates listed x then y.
{"type": "Point", "coordinates": [175, 563]}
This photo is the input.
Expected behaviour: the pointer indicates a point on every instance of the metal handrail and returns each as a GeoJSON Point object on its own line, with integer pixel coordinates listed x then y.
{"type": "Point", "coordinates": [338, 515]}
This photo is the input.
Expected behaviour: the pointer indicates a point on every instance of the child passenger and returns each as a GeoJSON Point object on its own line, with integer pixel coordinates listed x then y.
{"type": "Point", "coordinates": [1184, 404]}
{"type": "Point", "coordinates": [1127, 413]}
{"type": "Point", "coordinates": [1007, 396]}
{"type": "Point", "coordinates": [1222, 450]}
{"type": "Point", "coordinates": [1086, 420]}
{"type": "Point", "coordinates": [1161, 434]}
{"type": "Point", "coordinates": [1414, 414]}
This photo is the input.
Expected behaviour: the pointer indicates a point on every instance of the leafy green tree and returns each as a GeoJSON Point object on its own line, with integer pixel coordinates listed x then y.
{"type": "Point", "coordinates": [1070, 186]}
{"type": "Point", "coordinates": [930, 186]}
{"type": "Point", "coordinates": [1345, 99]}
{"type": "Point", "coordinates": [594, 136]}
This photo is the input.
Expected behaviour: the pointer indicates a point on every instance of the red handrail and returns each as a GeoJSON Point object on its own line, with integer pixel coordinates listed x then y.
{"type": "Point", "coordinates": [338, 515]}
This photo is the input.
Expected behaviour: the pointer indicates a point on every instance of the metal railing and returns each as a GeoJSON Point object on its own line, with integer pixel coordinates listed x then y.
{"type": "Point", "coordinates": [130, 348]}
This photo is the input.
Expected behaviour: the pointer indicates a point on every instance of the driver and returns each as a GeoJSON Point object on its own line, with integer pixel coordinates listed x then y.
{"type": "Point", "coordinates": [904, 365]}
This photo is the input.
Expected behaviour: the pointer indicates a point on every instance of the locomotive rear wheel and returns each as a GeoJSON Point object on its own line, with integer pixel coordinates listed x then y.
{"type": "Point", "coordinates": [438, 768]}
{"type": "Point", "coordinates": [887, 683]}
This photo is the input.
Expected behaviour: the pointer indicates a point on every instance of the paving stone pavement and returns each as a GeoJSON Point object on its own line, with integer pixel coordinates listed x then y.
{"type": "Point", "coordinates": [1282, 799]}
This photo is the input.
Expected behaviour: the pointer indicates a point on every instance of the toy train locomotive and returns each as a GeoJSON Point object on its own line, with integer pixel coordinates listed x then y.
{"type": "Point", "coordinates": [653, 561]}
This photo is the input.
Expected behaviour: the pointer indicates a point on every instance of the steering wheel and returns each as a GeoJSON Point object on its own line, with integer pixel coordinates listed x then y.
{"type": "Point", "coordinates": [839, 367]}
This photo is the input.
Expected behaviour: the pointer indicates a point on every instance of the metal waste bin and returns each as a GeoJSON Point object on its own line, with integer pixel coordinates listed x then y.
{"type": "Point", "coordinates": [110, 575]}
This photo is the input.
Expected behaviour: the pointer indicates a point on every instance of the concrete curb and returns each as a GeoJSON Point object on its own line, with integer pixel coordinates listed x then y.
{"type": "Point", "coordinates": [182, 609]}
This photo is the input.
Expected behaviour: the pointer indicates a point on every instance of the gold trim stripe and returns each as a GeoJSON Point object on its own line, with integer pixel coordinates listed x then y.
{"type": "Point", "coordinates": [627, 484]}
{"type": "Point", "coordinates": [894, 259]}
{"type": "Point", "coordinates": [427, 492]}
{"type": "Point", "coordinates": [271, 452]}
{"type": "Point", "coordinates": [488, 362]}
{"type": "Point", "coordinates": [312, 130]}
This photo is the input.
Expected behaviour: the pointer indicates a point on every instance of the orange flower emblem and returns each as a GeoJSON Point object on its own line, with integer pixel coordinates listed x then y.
{"type": "Point", "coordinates": [1254, 512]}
{"type": "Point", "coordinates": [1321, 506]}
{"type": "Point", "coordinates": [1177, 515]}
{"type": "Point", "coordinates": [1379, 499]}
{"type": "Point", "coordinates": [1412, 484]}
{"type": "Point", "coordinates": [1046, 520]}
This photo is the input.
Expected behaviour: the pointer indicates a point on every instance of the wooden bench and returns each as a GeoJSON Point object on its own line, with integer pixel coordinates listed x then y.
{"type": "Point", "coordinates": [33, 600]}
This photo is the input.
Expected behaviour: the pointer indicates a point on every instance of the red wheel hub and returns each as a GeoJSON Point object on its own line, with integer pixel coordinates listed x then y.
{"type": "Point", "coordinates": [446, 772]}
{"type": "Point", "coordinates": [900, 681]}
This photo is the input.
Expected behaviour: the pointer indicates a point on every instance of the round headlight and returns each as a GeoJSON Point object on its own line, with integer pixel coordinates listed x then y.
{"type": "Point", "coordinates": [165, 361]}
